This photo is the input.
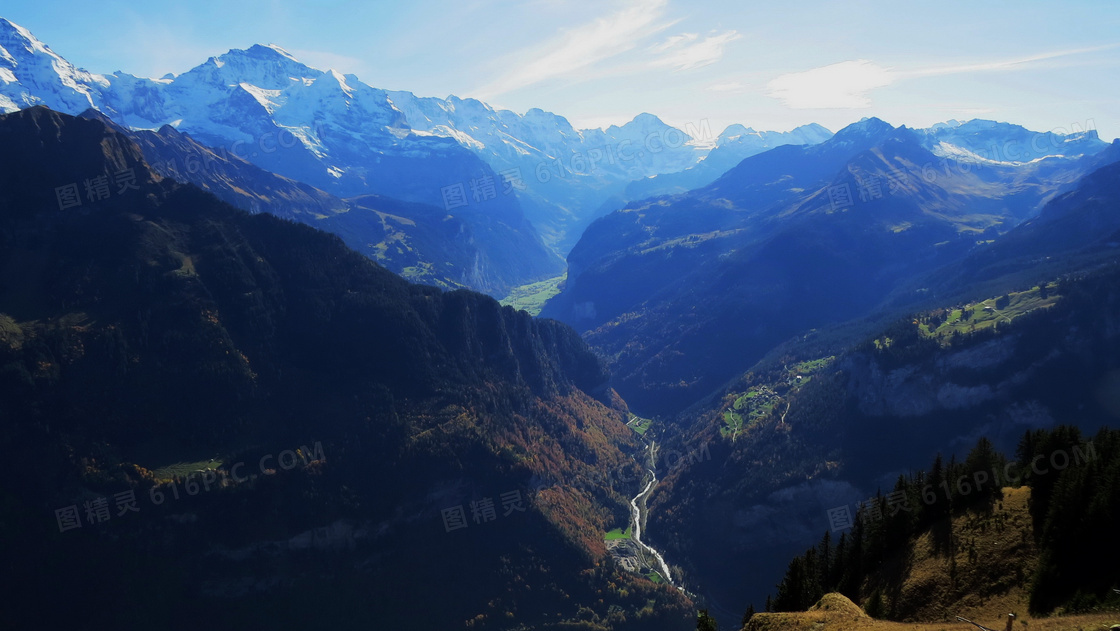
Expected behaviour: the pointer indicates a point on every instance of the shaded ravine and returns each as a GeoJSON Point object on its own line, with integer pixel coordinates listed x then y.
{"type": "Point", "coordinates": [636, 514]}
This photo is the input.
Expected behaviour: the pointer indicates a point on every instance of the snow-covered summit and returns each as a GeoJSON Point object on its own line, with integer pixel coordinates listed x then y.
{"type": "Point", "coordinates": [338, 133]}
{"type": "Point", "coordinates": [33, 74]}
{"type": "Point", "coordinates": [1007, 143]}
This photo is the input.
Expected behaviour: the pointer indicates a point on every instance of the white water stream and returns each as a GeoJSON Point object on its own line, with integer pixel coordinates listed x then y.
{"type": "Point", "coordinates": [636, 533]}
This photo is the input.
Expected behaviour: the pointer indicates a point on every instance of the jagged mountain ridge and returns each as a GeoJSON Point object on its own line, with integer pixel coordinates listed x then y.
{"type": "Point", "coordinates": [569, 174]}
{"type": "Point", "coordinates": [734, 145]}
{"type": "Point", "coordinates": [345, 137]}
{"type": "Point", "coordinates": [238, 98]}
{"type": "Point", "coordinates": [420, 242]}
{"type": "Point", "coordinates": [316, 127]}
{"type": "Point", "coordinates": [993, 141]}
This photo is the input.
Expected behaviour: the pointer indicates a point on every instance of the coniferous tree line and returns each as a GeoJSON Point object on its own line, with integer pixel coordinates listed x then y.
{"type": "Point", "coordinates": [1076, 511]}
{"type": "Point", "coordinates": [1074, 506]}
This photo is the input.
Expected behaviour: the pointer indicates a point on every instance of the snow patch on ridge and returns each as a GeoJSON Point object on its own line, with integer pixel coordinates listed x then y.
{"type": "Point", "coordinates": [271, 100]}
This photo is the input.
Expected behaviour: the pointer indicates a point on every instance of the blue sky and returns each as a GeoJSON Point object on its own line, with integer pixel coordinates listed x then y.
{"type": "Point", "coordinates": [770, 65]}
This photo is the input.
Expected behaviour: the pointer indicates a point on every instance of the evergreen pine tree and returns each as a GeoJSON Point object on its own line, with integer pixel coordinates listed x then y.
{"type": "Point", "coordinates": [982, 461]}
{"type": "Point", "coordinates": [705, 622]}
{"type": "Point", "coordinates": [824, 554]}
{"type": "Point", "coordinates": [839, 566]}
{"type": "Point", "coordinates": [939, 507]}
{"type": "Point", "coordinates": [899, 513]}
{"type": "Point", "coordinates": [793, 588]}
{"type": "Point", "coordinates": [854, 569]}
{"type": "Point", "coordinates": [750, 614]}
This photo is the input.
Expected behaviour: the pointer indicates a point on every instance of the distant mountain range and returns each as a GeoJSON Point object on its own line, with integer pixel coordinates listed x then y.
{"type": "Point", "coordinates": [568, 174]}
{"type": "Point", "coordinates": [422, 243]}
{"type": "Point", "coordinates": [263, 107]}
{"type": "Point", "coordinates": [683, 292]}
{"type": "Point", "coordinates": [733, 145]}
{"type": "Point", "coordinates": [346, 138]}
{"type": "Point", "coordinates": [486, 193]}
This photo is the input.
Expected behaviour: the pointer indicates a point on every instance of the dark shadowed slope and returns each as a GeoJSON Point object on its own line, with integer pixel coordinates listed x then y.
{"type": "Point", "coordinates": [153, 338]}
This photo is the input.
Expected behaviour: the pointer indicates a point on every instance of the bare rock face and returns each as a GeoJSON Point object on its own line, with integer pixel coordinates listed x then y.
{"type": "Point", "coordinates": [918, 389]}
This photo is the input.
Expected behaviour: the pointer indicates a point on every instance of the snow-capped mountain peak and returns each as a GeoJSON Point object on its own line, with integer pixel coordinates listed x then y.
{"type": "Point", "coordinates": [266, 67]}
{"type": "Point", "coordinates": [14, 37]}
{"type": "Point", "coordinates": [340, 134]}
{"type": "Point", "coordinates": [266, 50]}
{"type": "Point", "coordinates": [734, 132]}
{"type": "Point", "coordinates": [867, 127]}
{"type": "Point", "coordinates": [33, 74]}
{"type": "Point", "coordinates": [1008, 143]}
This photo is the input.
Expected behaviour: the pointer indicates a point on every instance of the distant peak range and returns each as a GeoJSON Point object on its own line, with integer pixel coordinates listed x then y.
{"type": "Point", "coordinates": [340, 135]}
{"type": "Point", "coordinates": [347, 138]}
{"type": "Point", "coordinates": [810, 134]}
{"type": "Point", "coordinates": [336, 133]}
{"type": "Point", "coordinates": [683, 291]}
{"type": "Point", "coordinates": [994, 141]}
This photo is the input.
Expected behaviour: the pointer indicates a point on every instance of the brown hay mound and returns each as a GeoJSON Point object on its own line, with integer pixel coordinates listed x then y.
{"type": "Point", "coordinates": [838, 603]}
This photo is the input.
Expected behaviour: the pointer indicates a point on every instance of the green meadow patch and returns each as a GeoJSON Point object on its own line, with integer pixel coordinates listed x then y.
{"type": "Point", "coordinates": [532, 297]}
{"type": "Point", "coordinates": [617, 533]}
{"type": "Point", "coordinates": [993, 312]}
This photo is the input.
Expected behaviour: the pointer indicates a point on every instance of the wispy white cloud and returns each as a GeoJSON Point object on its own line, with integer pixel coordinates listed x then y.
{"type": "Point", "coordinates": [730, 87]}
{"type": "Point", "coordinates": [582, 48]}
{"type": "Point", "coordinates": [674, 41]}
{"type": "Point", "coordinates": [684, 52]}
{"type": "Point", "coordinates": [842, 85]}
{"type": "Point", "coordinates": [1006, 64]}
{"type": "Point", "coordinates": [848, 84]}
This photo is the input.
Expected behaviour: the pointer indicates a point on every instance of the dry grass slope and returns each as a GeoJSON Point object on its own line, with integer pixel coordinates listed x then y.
{"type": "Point", "coordinates": [981, 572]}
{"type": "Point", "coordinates": [983, 566]}
{"type": "Point", "coordinates": [835, 612]}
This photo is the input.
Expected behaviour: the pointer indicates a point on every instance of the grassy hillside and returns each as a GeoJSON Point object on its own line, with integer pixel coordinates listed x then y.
{"type": "Point", "coordinates": [987, 568]}
{"type": "Point", "coordinates": [953, 542]}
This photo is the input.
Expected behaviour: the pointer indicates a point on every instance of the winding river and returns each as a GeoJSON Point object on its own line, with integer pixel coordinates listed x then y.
{"type": "Point", "coordinates": [636, 533]}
